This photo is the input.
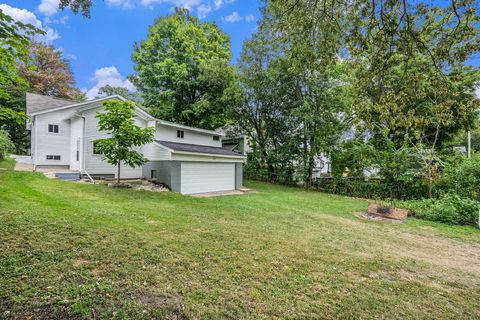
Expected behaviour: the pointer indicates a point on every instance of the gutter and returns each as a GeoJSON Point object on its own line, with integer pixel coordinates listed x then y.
{"type": "Point", "coordinates": [240, 156]}
{"type": "Point", "coordinates": [210, 154]}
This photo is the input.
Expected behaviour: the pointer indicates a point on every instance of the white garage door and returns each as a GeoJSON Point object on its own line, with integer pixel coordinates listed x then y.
{"type": "Point", "coordinates": [199, 177]}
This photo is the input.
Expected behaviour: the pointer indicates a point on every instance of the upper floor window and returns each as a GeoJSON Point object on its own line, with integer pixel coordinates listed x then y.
{"type": "Point", "coordinates": [53, 128]}
{"type": "Point", "coordinates": [180, 134]}
{"type": "Point", "coordinates": [216, 138]}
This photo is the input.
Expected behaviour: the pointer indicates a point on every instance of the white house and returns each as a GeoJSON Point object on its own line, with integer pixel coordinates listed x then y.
{"type": "Point", "coordinates": [189, 160]}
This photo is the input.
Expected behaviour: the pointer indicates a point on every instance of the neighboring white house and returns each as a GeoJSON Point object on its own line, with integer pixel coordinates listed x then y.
{"type": "Point", "coordinates": [189, 160]}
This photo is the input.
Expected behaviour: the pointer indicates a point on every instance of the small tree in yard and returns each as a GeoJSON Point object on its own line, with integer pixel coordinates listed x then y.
{"type": "Point", "coordinates": [118, 121]}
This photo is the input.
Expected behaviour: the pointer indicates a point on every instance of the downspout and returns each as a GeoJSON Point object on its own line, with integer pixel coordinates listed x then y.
{"type": "Point", "coordinates": [82, 163]}
{"type": "Point", "coordinates": [34, 123]}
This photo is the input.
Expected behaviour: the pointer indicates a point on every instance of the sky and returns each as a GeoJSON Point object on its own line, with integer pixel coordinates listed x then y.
{"type": "Point", "coordinates": [99, 48]}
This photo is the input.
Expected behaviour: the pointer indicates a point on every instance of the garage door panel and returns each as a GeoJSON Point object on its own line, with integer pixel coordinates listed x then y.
{"type": "Point", "coordinates": [199, 177]}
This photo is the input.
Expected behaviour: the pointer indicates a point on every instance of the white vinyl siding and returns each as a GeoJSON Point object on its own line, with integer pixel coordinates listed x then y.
{"type": "Point", "coordinates": [199, 177]}
{"type": "Point", "coordinates": [95, 164]}
{"type": "Point", "coordinates": [48, 143]}
{"type": "Point", "coordinates": [153, 152]}
{"type": "Point", "coordinates": [76, 133]}
{"type": "Point", "coordinates": [167, 133]}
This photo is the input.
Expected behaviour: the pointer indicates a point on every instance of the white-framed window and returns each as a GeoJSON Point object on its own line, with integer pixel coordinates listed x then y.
{"type": "Point", "coordinates": [53, 157]}
{"type": "Point", "coordinates": [180, 134]}
{"type": "Point", "coordinates": [53, 128]}
{"type": "Point", "coordinates": [216, 138]}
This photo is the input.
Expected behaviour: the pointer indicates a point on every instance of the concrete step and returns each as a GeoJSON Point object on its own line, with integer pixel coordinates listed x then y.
{"type": "Point", "coordinates": [72, 176]}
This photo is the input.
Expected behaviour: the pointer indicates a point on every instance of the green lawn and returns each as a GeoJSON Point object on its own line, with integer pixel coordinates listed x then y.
{"type": "Point", "coordinates": [70, 250]}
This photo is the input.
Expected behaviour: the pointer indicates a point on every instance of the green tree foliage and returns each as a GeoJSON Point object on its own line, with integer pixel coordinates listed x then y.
{"type": "Point", "coordinates": [183, 70]}
{"type": "Point", "coordinates": [292, 113]}
{"type": "Point", "coordinates": [264, 111]}
{"type": "Point", "coordinates": [17, 130]}
{"type": "Point", "coordinates": [14, 39]}
{"type": "Point", "coordinates": [124, 92]}
{"type": "Point", "coordinates": [322, 114]}
{"type": "Point", "coordinates": [77, 6]}
{"type": "Point", "coordinates": [6, 145]}
{"type": "Point", "coordinates": [417, 86]}
{"type": "Point", "coordinates": [411, 89]}
{"type": "Point", "coordinates": [463, 178]}
{"type": "Point", "coordinates": [45, 72]}
{"type": "Point", "coordinates": [118, 120]}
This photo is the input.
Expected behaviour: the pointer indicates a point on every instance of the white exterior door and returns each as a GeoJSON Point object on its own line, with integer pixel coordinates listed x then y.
{"type": "Point", "coordinates": [199, 177]}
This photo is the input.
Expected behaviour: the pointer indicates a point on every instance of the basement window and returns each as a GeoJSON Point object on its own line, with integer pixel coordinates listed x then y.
{"type": "Point", "coordinates": [53, 157]}
{"type": "Point", "coordinates": [53, 128]}
{"type": "Point", "coordinates": [180, 134]}
{"type": "Point", "coordinates": [153, 174]}
{"type": "Point", "coordinates": [216, 138]}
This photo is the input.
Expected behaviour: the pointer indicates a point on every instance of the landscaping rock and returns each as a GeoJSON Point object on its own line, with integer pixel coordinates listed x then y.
{"type": "Point", "coordinates": [119, 185]}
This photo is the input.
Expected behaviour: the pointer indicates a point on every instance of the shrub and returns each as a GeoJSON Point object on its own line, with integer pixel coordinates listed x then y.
{"type": "Point", "coordinates": [6, 145]}
{"type": "Point", "coordinates": [463, 178]}
{"type": "Point", "coordinates": [450, 208]}
{"type": "Point", "coordinates": [372, 188]}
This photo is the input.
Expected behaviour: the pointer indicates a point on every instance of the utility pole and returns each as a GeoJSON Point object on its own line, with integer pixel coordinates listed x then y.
{"type": "Point", "coordinates": [469, 145]}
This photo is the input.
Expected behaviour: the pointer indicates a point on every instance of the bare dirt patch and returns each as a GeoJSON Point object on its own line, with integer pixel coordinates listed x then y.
{"type": "Point", "coordinates": [173, 305]}
{"type": "Point", "coordinates": [23, 166]}
{"type": "Point", "coordinates": [366, 215]}
{"type": "Point", "coordinates": [439, 251]}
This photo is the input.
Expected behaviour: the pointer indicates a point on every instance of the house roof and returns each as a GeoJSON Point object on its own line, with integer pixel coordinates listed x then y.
{"type": "Point", "coordinates": [195, 148]}
{"type": "Point", "coordinates": [38, 102]}
{"type": "Point", "coordinates": [181, 126]}
{"type": "Point", "coordinates": [45, 104]}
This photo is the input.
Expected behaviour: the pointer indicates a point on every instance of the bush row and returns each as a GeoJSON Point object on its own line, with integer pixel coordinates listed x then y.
{"type": "Point", "coordinates": [449, 208]}
{"type": "Point", "coordinates": [371, 188]}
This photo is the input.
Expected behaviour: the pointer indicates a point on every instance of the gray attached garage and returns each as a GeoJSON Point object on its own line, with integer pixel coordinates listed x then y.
{"type": "Point", "coordinates": [198, 177]}
{"type": "Point", "coordinates": [193, 169]}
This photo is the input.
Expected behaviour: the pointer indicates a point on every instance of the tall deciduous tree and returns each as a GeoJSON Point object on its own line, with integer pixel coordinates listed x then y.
{"type": "Point", "coordinates": [183, 70]}
{"type": "Point", "coordinates": [124, 92]}
{"type": "Point", "coordinates": [291, 111]}
{"type": "Point", "coordinates": [264, 112]}
{"type": "Point", "coordinates": [410, 82]}
{"type": "Point", "coordinates": [48, 73]}
{"type": "Point", "coordinates": [44, 71]}
{"type": "Point", "coordinates": [321, 82]}
{"type": "Point", "coordinates": [14, 39]}
{"type": "Point", "coordinates": [118, 120]}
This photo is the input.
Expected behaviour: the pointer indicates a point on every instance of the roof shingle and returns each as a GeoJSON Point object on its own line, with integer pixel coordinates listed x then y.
{"type": "Point", "coordinates": [38, 102]}
{"type": "Point", "coordinates": [186, 147]}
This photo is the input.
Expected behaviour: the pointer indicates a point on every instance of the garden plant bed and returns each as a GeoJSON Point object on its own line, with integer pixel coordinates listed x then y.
{"type": "Point", "coordinates": [140, 185]}
{"type": "Point", "coordinates": [387, 212]}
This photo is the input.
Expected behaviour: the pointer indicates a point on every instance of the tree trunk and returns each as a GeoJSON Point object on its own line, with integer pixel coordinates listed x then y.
{"type": "Point", "coordinates": [430, 181]}
{"type": "Point", "coordinates": [118, 172]}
